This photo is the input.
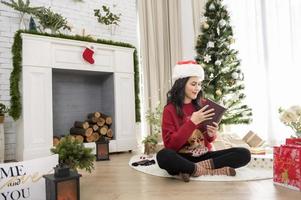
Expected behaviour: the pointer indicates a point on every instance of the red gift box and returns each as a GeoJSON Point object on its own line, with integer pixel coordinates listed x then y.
{"type": "Point", "coordinates": [287, 166]}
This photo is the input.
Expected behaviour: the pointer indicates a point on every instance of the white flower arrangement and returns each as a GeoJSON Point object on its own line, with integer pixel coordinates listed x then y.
{"type": "Point", "coordinates": [292, 117]}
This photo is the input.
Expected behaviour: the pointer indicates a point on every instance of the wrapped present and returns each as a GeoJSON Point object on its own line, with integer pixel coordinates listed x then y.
{"type": "Point", "coordinates": [261, 161]}
{"type": "Point", "coordinates": [252, 139]}
{"type": "Point", "coordinates": [287, 166]}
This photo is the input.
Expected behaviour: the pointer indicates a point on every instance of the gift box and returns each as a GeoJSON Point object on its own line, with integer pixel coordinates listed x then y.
{"type": "Point", "coordinates": [252, 139]}
{"type": "Point", "coordinates": [287, 166]}
{"type": "Point", "coordinates": [261, 161]}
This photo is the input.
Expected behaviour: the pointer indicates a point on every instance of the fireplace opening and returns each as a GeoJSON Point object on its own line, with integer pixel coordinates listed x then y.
{"type": "Point", "coordinates": [77, 93]}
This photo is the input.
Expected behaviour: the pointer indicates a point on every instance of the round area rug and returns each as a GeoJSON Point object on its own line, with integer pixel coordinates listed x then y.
{"type": "Point", "coordinates": [242, 174]}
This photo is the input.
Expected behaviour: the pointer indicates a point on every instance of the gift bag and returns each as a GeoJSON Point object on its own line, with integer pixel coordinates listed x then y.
{"type": "Point", "coordinates": [287, 166]}
{"type": "Point", "coordinates": [293, 141]}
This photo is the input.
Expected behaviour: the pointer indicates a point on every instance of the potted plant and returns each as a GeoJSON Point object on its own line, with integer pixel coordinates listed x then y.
{"type": "Point", "coordinates": [154, 120]}
{"type": "Point", "coordinates": [51, 20]}
{"type": "Point", "coordinates": [74, 155]}
{"type": "Point", "coordinates": [3, 110]}
{"type": "Point", "coordinates": [106, 17]}
{"type": "Point", "coordinates": [150, 144]}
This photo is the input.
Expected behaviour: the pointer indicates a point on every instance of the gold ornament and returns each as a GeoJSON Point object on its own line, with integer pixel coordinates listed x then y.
{"type": "Point", "coordinates": [205, 25]}
{"type": "Point", "coordinates": [218, 92]}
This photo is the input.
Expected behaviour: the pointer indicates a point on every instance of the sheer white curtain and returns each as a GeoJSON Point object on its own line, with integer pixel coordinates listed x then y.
{"type": "Point", "coordinates": [266, 35]}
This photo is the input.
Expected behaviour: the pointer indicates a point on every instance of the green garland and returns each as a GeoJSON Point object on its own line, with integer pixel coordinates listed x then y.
{"type": "Point", "coordinates": [16, 106]}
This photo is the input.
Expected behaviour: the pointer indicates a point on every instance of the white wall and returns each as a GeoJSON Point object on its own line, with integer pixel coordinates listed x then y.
{"type": "Point", "coordinates": [80, 15]}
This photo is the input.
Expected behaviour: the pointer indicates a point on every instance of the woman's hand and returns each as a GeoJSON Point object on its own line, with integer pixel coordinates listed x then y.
{"type": "Point", "coordinates": [212, 130]}
{"type": "Point", "coordinates": [202, 115]}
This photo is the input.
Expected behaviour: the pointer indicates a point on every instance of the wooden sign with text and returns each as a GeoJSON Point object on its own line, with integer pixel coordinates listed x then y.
{"type": "Point", "coordinates": [23, 180]}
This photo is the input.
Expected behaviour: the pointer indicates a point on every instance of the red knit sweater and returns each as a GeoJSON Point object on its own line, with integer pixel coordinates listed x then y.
{"type": "Point", "coordinates": [177, 130]}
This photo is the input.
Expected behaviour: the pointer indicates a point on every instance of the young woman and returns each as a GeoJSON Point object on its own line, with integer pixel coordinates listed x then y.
{"type": "Point", "coordinates": [187, 150]}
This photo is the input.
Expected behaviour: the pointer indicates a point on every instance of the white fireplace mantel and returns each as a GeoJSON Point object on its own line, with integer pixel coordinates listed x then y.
{"type": "Point", "coordinates": [42, 54]}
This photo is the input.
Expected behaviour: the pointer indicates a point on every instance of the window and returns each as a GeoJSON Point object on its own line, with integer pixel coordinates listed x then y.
{"type": "Point", "coordinates": [266, 35]}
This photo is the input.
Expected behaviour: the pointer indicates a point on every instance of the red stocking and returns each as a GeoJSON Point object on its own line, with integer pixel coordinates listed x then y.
{"type": "Point", "coordinates": [88, 55]}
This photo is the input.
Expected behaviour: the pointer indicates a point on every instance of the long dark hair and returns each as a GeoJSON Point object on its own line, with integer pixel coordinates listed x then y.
{"type": "Point", "coordinates": [176, 96]}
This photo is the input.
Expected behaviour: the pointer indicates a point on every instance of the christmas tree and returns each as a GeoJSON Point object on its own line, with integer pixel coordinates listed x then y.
{"type": "Point", "coordinates": [223, 77]}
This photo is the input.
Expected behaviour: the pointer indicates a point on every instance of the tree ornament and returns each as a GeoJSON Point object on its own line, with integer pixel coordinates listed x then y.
{"type": "Point", "coordinates": [210, 44]}
{"type": "Point", "coordinates": [218, 92]}
{"type": "Point", "coordinates": [212, 6]}
{"type": "Point", "coordinates": [211, 69]}
{"type": "Point", "coordinates": [218, 63]}
{"type": "Point", "coordinates": [222, 23]}
{"type": "Point", "coordinates": [207, 58]}
{"type": "Point", "coordinates": [205, 25]}
{"type": "Point", "coordinates": [88, 55]}
{"type": "Point", "coordinates": [235, 75]}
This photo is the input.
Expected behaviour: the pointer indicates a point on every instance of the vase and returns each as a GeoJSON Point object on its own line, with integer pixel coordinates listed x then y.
{"type": "Point", "coordinates": [61, 171]}
{"type": "Point", "coordinates": [149, 148]}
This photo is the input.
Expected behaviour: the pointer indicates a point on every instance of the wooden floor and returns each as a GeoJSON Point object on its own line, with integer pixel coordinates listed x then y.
{"type": "Point", "coordinates": [114, 179]}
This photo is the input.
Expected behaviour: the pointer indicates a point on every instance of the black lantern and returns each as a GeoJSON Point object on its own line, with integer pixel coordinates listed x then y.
{"type": "Point", "coordinates": [102, 149]}
{"type": "Point", "coordinates": [66, 187]}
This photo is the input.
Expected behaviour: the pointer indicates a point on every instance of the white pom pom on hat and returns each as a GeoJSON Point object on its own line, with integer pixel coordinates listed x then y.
{"type": "Point", "coordinates": [187, 68]}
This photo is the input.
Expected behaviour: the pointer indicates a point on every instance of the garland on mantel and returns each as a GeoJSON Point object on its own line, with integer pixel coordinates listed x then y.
{"type": "Point", "coordinates": [15, 101]}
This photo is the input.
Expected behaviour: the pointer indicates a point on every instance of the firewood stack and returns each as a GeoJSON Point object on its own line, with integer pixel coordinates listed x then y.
{"type": "Point", "coordinates": [96, 125]}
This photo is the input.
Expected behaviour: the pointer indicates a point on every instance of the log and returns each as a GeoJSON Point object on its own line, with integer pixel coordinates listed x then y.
{"type": "Point", "coordinates": [110, 133]}
{"type": "Point", "coordinates": [103, 130]}
{"type": "Point", "coordinates": [95, 114]}
{"type": "Point", "coordinates": [96, 136]}
{"type": "Point", "coordinates": [78, 124]}
{"type": "Point", "coordinates": [79, 138]}
{"type": "Point", "coordinates": [101, 122]}
{"type": "Point", "coordinates": [107, 118]}
{"type": "Point", "coordinates": [56, 140]}
{"type": "Point", "coordinates": [80, 131]}
{"type": "Point", "coordinates": [92, 119]}
{"type": "Point", "coordinates": [90, 138]}
{"type": "Point", "coordinates": [94, 127]}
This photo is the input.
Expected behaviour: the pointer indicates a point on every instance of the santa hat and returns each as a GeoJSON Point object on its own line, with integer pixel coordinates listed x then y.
{"type": "Point", "coordinates": [188, 68]}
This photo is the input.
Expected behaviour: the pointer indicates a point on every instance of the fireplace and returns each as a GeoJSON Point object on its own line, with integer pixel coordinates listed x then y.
{"type": "Point", "coordinates": [59, 87]}
{"type": "Point", "coordinates": [76, 93]}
